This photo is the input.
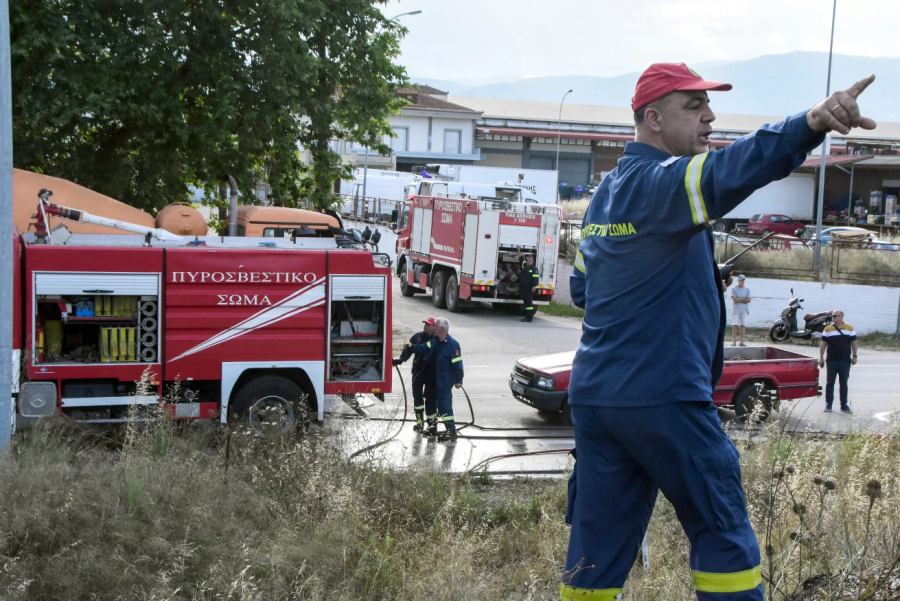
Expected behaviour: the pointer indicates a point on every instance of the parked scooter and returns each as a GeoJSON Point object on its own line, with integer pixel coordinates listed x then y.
{"type": "Point", "coordinates": [786, 327]}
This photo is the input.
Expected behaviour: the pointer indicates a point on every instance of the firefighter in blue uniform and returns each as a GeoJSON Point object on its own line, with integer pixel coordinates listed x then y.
{"type": "Point", "coordinates": [651, 347]}
{"type": "Point", "coordinates": [424, 401]}
{"type": "Point", "coordinates": [445, 356]}
{"type": "Point", "coordinates": [529, 280]}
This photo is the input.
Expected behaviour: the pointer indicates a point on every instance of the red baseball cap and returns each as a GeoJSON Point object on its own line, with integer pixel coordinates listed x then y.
{"type": "Point", "coordinates": [661, 79]}
{"type": "Point", "coordinates": [429, 321]}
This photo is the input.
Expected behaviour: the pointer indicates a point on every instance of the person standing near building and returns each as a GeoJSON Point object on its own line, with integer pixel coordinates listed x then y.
{"type": "Point", "coordinates": [528, 283]}
{"type": "Point", "coordinates": [740, 298]}
{"type": "Point", "coordinates": [839, 338]}
{"type": "Point", "coordinates": [641, 394]}
{"type": "Point", "coordinates": [422, 385]}
{"type": "Point", "coordinates": [445, 356]}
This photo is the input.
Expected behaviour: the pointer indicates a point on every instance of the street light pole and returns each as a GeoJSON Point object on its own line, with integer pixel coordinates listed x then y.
{"type": "Point", "coordinates": [6, 230]}
{"type": "Point", "coordinates": [412, 12]}
{"type": "Point", "coordinates": [559, 137]}
{"type": "Point", "coordinates": [820, 205]}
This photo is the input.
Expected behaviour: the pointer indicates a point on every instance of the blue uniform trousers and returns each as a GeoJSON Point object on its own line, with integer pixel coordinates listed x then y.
{"type": "Point", "coordinates": [424, 395]}
{"type": "Point", "coordinates": [625, 456]}
{"type": "Point", "coordinates": [445, 407]}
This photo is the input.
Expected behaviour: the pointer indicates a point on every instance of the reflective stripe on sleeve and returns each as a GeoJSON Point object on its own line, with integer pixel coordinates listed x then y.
{"type": "Point", "coordinates": [573, 593]}
{"type": "Point", "coordinates": [428, 344]}
{"type": "Point", "coordinates": [579, 262]}
{"type": "Point", "coordinates": [728, 582]}
{"type": "Point", "coordinates": [455, 359]}
{"type": "Point", "coordinates": [692, 185]}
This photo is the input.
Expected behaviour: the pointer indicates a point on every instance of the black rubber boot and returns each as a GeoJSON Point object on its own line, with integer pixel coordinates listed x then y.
{"type": "Point", "coordinates": [448, 436]}
{"type": "Point", "coordinates": [430, 428]}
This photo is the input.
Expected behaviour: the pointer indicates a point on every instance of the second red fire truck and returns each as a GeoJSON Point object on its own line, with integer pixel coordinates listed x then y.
{"type": "Point", "coordinates": [467, 249]}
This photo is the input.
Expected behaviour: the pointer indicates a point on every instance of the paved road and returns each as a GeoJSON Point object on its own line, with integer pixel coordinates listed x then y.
{"type": "Point", "coordinates": [493, 340]}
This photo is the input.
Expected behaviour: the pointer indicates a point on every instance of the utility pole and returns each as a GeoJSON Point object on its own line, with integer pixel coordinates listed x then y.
{"type": "Point", "coordinates": [820, 206]}
{"type": "Point", "coordinates": [558, 139]}
{"type": "Point", "coordinates": [6, 231]}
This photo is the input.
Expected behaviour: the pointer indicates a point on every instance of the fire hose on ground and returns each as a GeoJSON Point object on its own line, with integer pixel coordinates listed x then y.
{"type": "Point", "coordinates": [462, 426]}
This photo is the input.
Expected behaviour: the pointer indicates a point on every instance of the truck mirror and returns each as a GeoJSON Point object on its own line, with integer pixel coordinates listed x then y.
{"type": "Point", "coordinates": [395, 214]}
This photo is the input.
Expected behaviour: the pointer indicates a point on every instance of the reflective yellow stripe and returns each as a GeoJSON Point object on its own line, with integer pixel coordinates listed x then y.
{"type": "Point", "coordinates": [448, 418]}
{"type": "Point", "coordinates": [432, 416]}
{"type": "Point", "coordinates": [579, 262]}
{"type": "Point", "coordinates": [428, 344]}
{"type": "Point", "coordinates": [571, 593]}
{"type": "Point", "coordinates": [692, 185]}
{"type": "Point", "coordinates": [729, 582]}
{"type": "Point", "coordinates": [455, 360]}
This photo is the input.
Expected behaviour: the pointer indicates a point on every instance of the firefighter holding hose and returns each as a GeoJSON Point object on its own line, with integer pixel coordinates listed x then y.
{"type": "Point", "coordinates": [641, 395]}
{"type": "Point", "coordinates": [423, 381]}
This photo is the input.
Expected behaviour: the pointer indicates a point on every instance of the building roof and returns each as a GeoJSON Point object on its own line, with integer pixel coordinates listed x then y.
{"type": "Point", "coordinates": [586, 117]}
{"type": "Point", "coordinates": [426, 98]}
{"type": "Point", "coordinates": [815, 162]}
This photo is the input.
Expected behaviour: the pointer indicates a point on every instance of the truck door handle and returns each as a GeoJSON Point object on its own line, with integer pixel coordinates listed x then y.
{"type": "Point", "coordinates": [357, 297]}
{"type": "Point", "coordinates": [98, 291]}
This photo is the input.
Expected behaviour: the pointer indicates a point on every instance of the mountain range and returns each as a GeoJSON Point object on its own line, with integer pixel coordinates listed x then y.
{"type": "Point", "coordinates": [779, 84]}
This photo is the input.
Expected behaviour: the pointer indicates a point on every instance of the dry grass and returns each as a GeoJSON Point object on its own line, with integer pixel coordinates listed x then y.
{"type": "Point", "coordinates": [575, 207]}
{"type": "Point", "coordinates": [169, 511]}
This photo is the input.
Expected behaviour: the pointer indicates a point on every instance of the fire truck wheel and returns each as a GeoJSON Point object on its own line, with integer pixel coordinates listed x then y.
{"type": "Point", "coordinates": [405, 289]}
{"type": "Point", "coordinates": [437, 290]}
{"type": "Point", "coordinates": [452, 295]}
{"type": "Point", "coordinates": [271, 406]}
{"type": "Point", "coordinates": [752, 404]}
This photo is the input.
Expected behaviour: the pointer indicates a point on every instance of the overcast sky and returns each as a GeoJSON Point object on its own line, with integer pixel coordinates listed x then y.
{"type": "Point", "coordinates": [483, 39]}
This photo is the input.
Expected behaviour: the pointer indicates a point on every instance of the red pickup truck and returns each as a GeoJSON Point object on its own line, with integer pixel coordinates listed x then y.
{"type": "Point", "coordinates": [755, 378]}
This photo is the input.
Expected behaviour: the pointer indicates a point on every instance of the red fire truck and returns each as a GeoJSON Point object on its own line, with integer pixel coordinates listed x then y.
{"type": "Point", "coordinates": [256, 328]}
{"type": "Point", "coordinates": [466, 250]}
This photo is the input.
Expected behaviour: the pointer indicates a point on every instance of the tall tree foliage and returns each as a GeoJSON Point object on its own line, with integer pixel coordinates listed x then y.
{"type": "Point", "coordinates": [140, 98]}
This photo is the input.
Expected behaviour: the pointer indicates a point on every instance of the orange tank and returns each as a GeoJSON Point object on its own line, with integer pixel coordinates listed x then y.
{"type": "Point", "coordinates": [27, 184]}
{"type": "Point", "coordinates": [181, 219]}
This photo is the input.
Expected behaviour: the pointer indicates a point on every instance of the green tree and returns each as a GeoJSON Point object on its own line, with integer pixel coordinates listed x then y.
{"type": "Point", "coordinates": [353, 91]}
{"type": "Point", "coordinates": [138, 99]}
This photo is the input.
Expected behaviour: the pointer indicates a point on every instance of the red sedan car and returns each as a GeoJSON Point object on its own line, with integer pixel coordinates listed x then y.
{"type": "Point", "coordinates": [780, 224]}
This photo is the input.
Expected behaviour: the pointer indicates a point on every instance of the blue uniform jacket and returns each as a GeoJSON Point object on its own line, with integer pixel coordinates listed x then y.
{"type": "Point", "coordinates": [446, 358]}
{"type": "Point", "coordinates": [531, 277]}
{"type": "Point", "coordinates": [421, 358]}
{"type": "Point", "coordinates": [645, 271]}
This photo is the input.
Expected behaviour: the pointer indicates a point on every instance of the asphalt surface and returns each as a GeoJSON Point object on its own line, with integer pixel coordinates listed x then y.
{"type": "Point", "coordinates": [491, 343]}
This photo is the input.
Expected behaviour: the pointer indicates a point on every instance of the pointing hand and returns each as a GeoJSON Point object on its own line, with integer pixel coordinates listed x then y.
{"type": "Point", "coordinates": [840, 112]}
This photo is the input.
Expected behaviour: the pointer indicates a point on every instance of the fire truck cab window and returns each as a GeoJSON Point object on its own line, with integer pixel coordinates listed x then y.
{"type": "Point", "coordinates": [404, 220]}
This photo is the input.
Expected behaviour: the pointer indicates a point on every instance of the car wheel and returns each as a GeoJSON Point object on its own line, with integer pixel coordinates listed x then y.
{"type": "Point", "coordinates": [271, 406]}
{"type": "Point", "coordinates": [766, 232]}
{"type": "Point", "coordinates": [405, 289]}
{"type": "Point", "coordinates": [779, 333]}
{"type": "Point", "coordinates": [751, 404]}
{"type": "Point", "coordinates": [452, 295]}
{"type": "Point", "coordinates": [437, 290]}
{"type": "Point", "coordinates": [721, 226]}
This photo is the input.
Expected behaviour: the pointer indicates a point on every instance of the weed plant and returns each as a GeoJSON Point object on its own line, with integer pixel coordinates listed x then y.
{"type": "Point", "coordinates": [166, 510]}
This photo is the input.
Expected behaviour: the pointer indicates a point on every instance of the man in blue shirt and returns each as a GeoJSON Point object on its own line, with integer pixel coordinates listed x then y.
{"type": "Point", "coordinates": [651, 347]}
{"type": "Point", "coordinates": [445, 357]}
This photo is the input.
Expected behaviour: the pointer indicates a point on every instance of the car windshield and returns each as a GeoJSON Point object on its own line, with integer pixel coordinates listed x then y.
{"type": "Point", "coordinates": [756, 218]}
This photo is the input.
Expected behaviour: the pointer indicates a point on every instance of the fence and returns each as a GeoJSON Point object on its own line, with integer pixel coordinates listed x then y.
{"type": "Point", "coordinates": [368, 208]}
{"type": "Point", "coordinates": [840, 263]}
